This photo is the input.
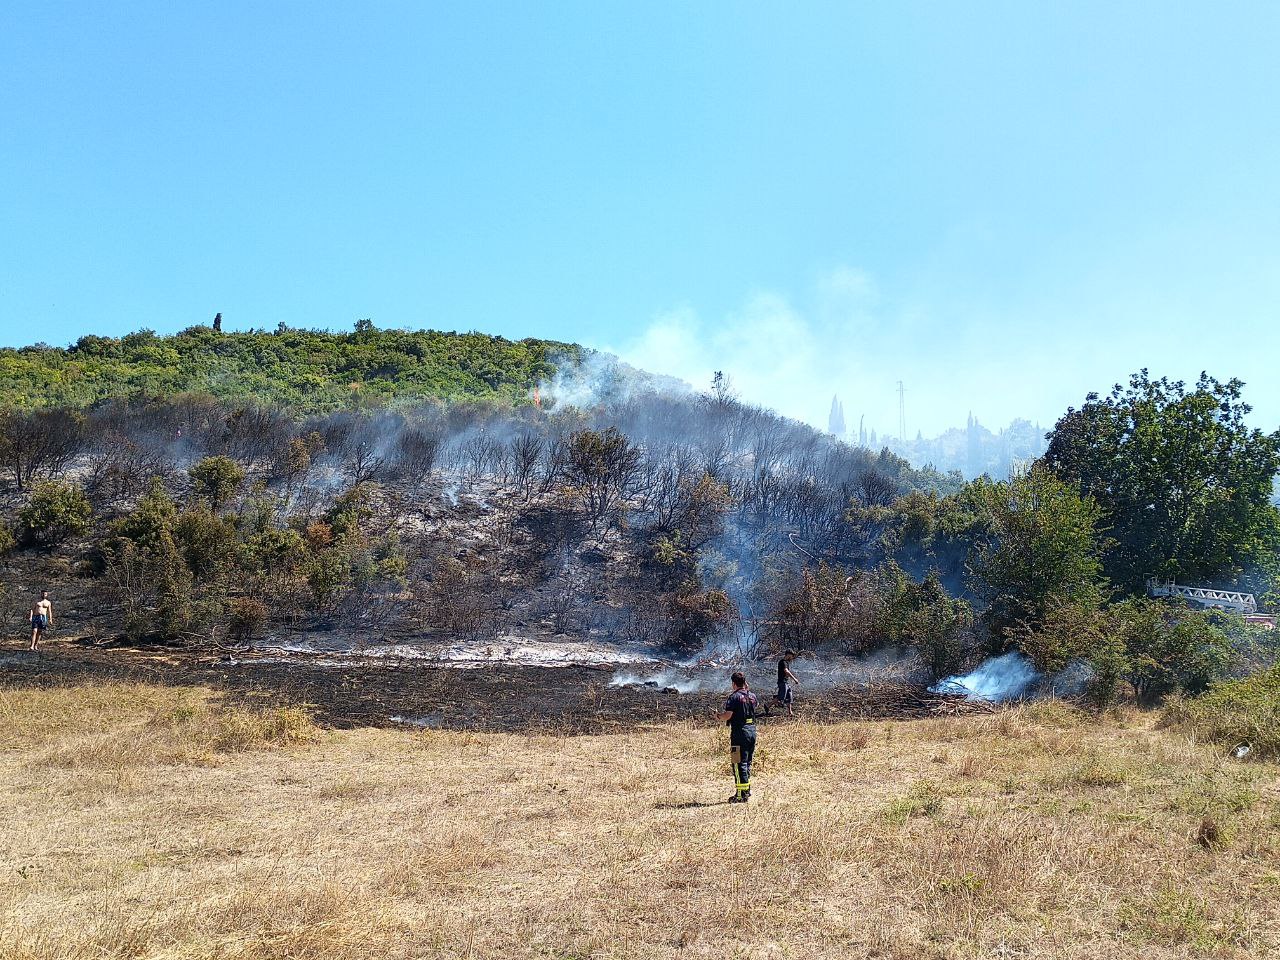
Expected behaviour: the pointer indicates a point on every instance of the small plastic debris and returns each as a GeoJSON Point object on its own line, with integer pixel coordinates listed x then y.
{"type": "Point", "coordinates": [1241, 751]}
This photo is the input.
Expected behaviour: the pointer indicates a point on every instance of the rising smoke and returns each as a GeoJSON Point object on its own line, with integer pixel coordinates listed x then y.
{"type": "Point", "coordinates": [1001, 678]}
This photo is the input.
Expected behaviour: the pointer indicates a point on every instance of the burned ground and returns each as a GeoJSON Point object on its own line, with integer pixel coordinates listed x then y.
{"type": "Point", "coordinates": [506, 697]}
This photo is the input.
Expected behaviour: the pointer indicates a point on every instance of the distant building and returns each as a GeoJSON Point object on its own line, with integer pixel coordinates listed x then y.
{"type": "Point", "coordinates": [974, 450]}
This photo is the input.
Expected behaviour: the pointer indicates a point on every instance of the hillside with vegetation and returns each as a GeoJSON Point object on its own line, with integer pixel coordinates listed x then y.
{"type": "Point", "coordinates": [675, 523]}
{"type": "Point", "coordinates": [307, 371]}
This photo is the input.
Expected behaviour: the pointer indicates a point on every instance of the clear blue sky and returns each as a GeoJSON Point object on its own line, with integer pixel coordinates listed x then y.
{"type": "Point", "coordinates": [1002, 204]}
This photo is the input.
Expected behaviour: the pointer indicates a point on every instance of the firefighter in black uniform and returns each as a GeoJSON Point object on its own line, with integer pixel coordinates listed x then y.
{"type": "Point", "coordinates": [739, 714]}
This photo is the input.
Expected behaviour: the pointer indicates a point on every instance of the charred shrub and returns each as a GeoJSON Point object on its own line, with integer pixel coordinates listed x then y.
{"type": "Point", "coordinates": [815, 607]}
{"type": "Point", "coordinates": [415, 453]}
{"type": "Point", "coordinates": [43, 442]}
{"type": "Point", "coordinates": [122, 466]}
{"type": "Point", "coordinates": [253, 433]}
{"type": "Point", "coordinates": [858, 611]}
{"type": "Point", "coordinates": [695, 616]}
{"type": "Point", "coordinates": [459, 597]}
{"type": "Point", "coordinates": [602, 467]}
{"type": "Point", "coordinates": [246, 618]}
{"type": "Point", "coordinates": [296, 457]}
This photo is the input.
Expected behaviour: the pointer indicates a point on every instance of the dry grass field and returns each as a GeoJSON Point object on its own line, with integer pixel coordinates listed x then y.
{"type": "Point", "coordinates": [147, 821]}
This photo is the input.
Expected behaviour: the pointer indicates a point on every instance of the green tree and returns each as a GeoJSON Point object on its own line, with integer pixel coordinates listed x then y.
{"type": "Point", "coordinates": [54, 512]}
{"type": "Point", "coordinates": [938, 626]}
{"type": "Point", "coordinates": [1184, 484]}
{"type": "Point", "coordinates": [1169, 647]}
{"type": "Point", "coordinates": [216, 479]}
{"type": "Point", "coordinates": [1038, 545]}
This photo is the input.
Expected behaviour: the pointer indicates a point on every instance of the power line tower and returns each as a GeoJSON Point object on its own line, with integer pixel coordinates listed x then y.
{"type": "Point", "coordinates": [902, 412]}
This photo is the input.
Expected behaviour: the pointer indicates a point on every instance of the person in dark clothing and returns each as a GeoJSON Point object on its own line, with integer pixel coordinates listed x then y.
{"type": "Point", "coordinates": [786, 681]}
{"type": "Point", "coordinates": [739, 714]}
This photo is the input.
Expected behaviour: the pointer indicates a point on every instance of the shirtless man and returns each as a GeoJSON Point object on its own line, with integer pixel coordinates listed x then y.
{"type": "Point", "coordinates": [41, 618]}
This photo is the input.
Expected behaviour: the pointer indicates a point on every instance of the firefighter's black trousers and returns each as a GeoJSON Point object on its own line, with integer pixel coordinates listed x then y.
{"type": "Point", "coordinates": [743, 747]}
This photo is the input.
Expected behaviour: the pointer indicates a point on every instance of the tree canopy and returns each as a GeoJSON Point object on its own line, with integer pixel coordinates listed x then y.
{"type": "Point", "coordinates": [1184, 484]}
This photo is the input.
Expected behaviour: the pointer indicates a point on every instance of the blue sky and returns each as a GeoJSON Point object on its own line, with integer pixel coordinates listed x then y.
{"type": "Point", "coordinates": [1004, 205]}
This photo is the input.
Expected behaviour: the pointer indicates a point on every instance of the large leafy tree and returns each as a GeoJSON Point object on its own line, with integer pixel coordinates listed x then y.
{"type": "Point", "coordinates": [1184, 482]}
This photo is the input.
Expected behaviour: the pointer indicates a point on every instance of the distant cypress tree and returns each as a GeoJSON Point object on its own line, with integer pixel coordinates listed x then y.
{"type": "Point", "coordinates": [835, 422]}
{"type": "Point", "coordinates": [973, 453]}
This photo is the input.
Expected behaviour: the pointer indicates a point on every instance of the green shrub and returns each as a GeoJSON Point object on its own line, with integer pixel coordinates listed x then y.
{"type": "Point", "coordinates": [152, 519]}
{"type": "Point", "coordinates": [54, 512]}
{"type": "Point", "coordinates": [329, 577]}
{"type": "Point", "coordinates": [147, 573]}
{"type": "Point", "coordinates": [276, 551]}
{"type": "Point", "coordinates": [216, 479]}
{"type": "Point", "coordinates": [208, 541]}
{"type": "Point", "coordinates": [1235, 711]}
{"type": "Point", "coordinates": [350, 511]}
{"type": "Point", "coordinates": [7, 540]}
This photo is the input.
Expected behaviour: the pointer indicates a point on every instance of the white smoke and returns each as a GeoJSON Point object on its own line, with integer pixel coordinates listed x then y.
{"type": "Point", "coordinates": [844, 335]}
{"type": "Point", "coordinates": [1001, 678]}
{"type": "Point", "coordinates": [449, 492]}
{"type": "Point", "coordinates": [598, 379]}
{"type": "Point", "coordinates": [773, 355]}
{"type": "Point", "coordinates": [884, 666]}
{"type": "Point", "coordinates": [681, 681]}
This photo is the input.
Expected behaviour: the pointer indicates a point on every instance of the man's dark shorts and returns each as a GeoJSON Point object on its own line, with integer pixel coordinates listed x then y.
{"type": "Point", "coordinates": [39, 622]}
{"type": "Point", "coordinates": [785, 693]}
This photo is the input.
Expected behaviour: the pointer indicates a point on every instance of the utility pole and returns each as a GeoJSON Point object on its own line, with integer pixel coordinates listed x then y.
{"type": "Point", "coordinates": [902, 412]}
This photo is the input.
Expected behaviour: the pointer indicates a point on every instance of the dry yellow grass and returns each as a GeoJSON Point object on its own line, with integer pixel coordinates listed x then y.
{"type": "Point", "coordinates": [155, 822]}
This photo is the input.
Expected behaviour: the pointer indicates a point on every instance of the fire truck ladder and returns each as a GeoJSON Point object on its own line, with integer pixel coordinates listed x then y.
{"type": "Point", "coordinates": [1203, 596]}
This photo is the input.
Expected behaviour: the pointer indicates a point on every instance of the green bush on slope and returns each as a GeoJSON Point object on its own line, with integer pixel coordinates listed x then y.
{"type": "Point", "coordinates": [1235, 711]}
